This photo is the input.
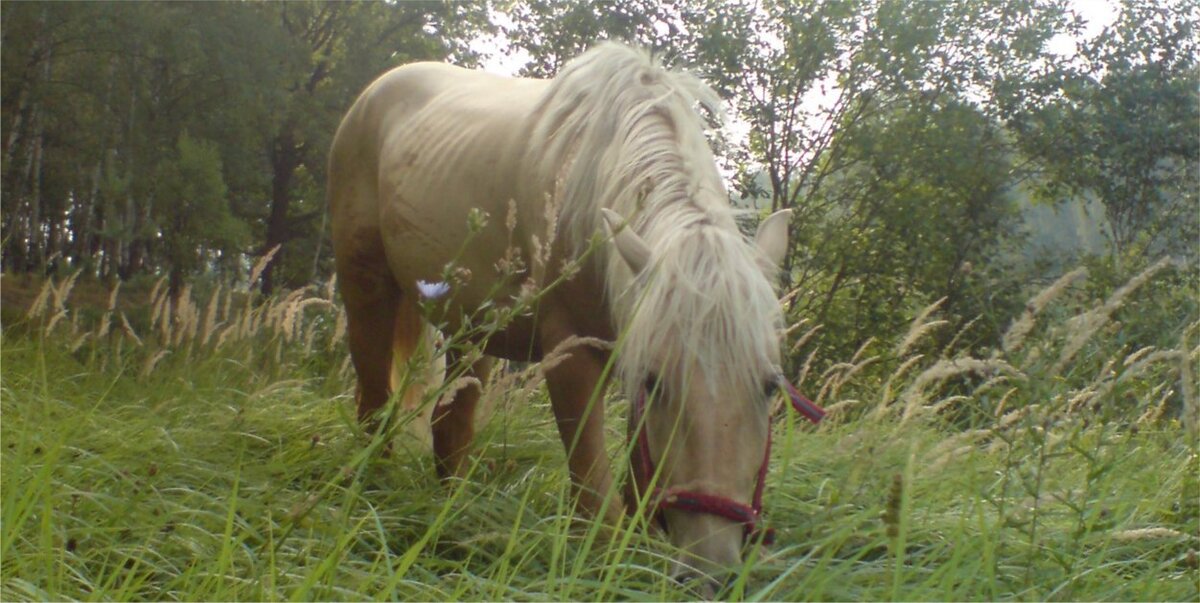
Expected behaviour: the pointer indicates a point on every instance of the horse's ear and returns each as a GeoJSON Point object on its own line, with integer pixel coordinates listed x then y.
{"type": "Point", "coordinates": [772, 236]}
{"type": "Point", "coordinates": [632, 248]}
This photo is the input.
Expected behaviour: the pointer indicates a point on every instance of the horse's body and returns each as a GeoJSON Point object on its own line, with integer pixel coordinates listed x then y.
{"type": "Point", "coordinates": [427, 143]}
{"type": "Point", "coordinates": [689, 297]}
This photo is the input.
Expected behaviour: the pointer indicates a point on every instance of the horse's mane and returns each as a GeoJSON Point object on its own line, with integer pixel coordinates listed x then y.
{"type": "Point", "coordinates": [617, 130]}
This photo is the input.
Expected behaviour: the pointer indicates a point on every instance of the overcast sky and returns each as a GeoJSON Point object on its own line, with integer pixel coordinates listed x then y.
{"type": "Point", "coordinates": [1097, 14]}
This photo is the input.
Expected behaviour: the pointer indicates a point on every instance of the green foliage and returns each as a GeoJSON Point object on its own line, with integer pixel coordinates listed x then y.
{"type": "Point", "coordinates": [1122, 128]}
{"type": "Point", "coordinates": [553, 33]}
{"type": "Point", "coordinates": [191, 209]}
{"type": "Point", "coordinates": [95, 95]}
{"type": "Point", "coordinates": [921, 214]}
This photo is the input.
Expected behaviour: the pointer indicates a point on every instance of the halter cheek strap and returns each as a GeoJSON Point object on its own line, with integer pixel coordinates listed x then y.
{"type": "Point", "coordinates": [701, 502]}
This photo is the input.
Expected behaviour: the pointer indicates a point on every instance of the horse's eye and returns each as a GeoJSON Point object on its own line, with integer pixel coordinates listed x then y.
{"type": "Point", "coordinates": [651, 384]}
{"type": "Point", "coordinates": [770, 388]}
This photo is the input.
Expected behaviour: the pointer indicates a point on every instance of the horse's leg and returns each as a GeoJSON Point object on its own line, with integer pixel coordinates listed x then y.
{"type": "Point", "coordinates": [577, 395]}
{"type": "Point", "coordinates": [454, 422]}
{"type": "Point", "coordinates": [371, 300]}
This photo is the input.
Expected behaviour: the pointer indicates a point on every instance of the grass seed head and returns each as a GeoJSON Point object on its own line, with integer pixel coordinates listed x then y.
{"type": "Point", "coordinates": [1150, 534]}
{"type": "Point", "coordinates": [331, 287]}
{"type": "Point", "coordinates": [1081, 328]}
{"type": "Point", "coordinates": [40, 302]}
{"type": "Point", "coordinates": [918, 326]}
{"type": "Point", "coordinates": [944, 369]}
{"type": "Point", "coordinates": [152, 361]}
{"type": "Point", "coordinates": [64, 291]}
{"type": "Point", "coordinates": [80, 341]}
{"type": "Point", "coordinates": [128, 330]}
{"type": "Point", "coordinates": [54, 320]}
{"type": "Point", "coordinates": [112, 297]}
{"type": "Point", "coordinates": [259, 266]}
{"type": "Point", "coordinates": [1016, 334]}
{"type": "Point", "coordinates": [105, 325]}
{"type": "Point", "coordinates": [210, 316]}
{"type": "Point", "coordinates": [893, 506]}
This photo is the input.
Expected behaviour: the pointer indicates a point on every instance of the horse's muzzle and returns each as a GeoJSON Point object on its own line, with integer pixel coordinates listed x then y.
{"type": "Point", "coordinates": [748, 515]}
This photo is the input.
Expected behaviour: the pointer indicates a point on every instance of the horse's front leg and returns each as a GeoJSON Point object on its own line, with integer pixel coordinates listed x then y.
{"type": "Point", "coordinates": [577, 387]}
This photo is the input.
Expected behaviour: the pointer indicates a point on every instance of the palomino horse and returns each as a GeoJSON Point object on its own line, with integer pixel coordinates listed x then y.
{"type": "Point", "coordinates": [613, 144]}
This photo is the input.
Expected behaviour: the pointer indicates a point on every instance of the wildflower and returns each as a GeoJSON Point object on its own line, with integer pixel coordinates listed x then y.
{"type": "Point", "coordinates": [477, 219]}
{"type": "Point", "coordinates": [432, 290]}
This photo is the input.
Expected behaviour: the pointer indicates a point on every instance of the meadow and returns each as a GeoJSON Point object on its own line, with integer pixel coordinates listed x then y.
{"type": "Point", "coordinates": [206, 450]}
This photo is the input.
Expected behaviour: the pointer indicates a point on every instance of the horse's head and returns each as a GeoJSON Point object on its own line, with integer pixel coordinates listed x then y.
{"type": "Point", "coordinates": [700, 359]}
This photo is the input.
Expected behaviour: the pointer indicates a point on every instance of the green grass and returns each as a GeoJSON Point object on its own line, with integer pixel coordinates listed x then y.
{"type": "Point", "coordinates": [207, 480]}
{"type": "Point", "coordinates": [168, 465]}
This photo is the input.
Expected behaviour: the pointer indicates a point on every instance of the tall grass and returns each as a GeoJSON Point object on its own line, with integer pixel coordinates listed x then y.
{"type": "Point", "coordinates": [210, 452]}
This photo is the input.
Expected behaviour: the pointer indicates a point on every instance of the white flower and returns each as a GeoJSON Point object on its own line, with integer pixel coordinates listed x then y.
{"type": "Point", "coordinates": [432, 290]}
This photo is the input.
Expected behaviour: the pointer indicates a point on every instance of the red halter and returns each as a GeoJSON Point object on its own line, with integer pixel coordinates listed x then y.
{"type": "Point", "coordinates": [700, 502]}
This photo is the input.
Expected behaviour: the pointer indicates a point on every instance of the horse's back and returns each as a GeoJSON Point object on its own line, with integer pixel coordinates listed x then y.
{"type": "Point", "coordinates": [384, 111]}
{"type": "Point", "coordinates": [421, 147]}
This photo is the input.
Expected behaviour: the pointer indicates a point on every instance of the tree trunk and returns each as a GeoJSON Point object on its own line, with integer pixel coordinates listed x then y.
{"type": "Point", "coordinates": [20, 228]}
{"type": "Point", "coordinates": [134, 247]}
{"type": "Point", "coordinates": [36, 240]}
{"type": "Point", "coordinates": [14, 129]}
{"type": "Point", "coordinates": [22, 104]}
{"type": "Point", "coordinates": [128, 251]}
{"type": "Point", "coordinates": [83, 246]}
{"type": "Point", "coordinates": [320, 241]}
{"type": "Point", "coordinates": [89, 220]}
{"type": "Point", "coordinates": [285, 158]}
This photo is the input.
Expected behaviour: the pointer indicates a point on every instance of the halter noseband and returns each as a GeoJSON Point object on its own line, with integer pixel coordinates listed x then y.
{"type": "Point", "coordinates": [701, 502]}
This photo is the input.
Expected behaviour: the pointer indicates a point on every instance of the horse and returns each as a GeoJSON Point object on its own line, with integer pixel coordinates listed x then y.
{"type": "Point", "coordinates": [612, 149]}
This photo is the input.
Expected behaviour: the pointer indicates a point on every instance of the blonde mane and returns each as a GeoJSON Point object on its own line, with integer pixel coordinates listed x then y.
{"type": "Point", "coordinates": [617, 130]}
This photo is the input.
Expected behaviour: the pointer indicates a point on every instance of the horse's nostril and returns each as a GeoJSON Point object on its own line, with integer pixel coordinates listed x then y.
{"type": "Point", "coordinates": [705, 587]}
{"type": "Point", "coordinates": [728, 583]}
{"type": "Point", "coordinates": [684, 577]}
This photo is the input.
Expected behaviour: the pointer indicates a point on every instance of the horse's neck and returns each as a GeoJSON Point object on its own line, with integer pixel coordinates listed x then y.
{"type": "Point", "coordinates": [651, 165]}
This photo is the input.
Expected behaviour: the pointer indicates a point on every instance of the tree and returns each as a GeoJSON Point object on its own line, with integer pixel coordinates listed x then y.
{"type": "Point", "coordinates": [334, 50]}
{"type": "Point", "coordinates": [36, 38]}
{"type": "Point", "coordinates": [553, 32]}
{"type": "Point", "coordinates": [1122, 128]}
{"type": "Point", "coordinates": [192, 218]}
{"type": "Point", "coordinates": [95, 96]}
{"type": "Point", "coordinates": [124, 83]}
{"type": "Point", "coordinates": [921, 214]}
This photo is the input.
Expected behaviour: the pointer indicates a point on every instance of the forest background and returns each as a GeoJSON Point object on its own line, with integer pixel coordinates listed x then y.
{"type": "Point", "coordinates": [930, 149]}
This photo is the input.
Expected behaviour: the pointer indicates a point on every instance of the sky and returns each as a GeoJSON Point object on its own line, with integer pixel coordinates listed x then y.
{"type": "Point", "coordinates": [1096, 13]}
